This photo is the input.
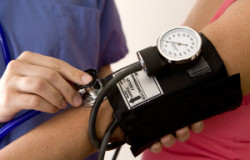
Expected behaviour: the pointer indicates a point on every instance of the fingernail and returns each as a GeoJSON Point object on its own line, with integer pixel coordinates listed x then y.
{"type": "Point", "coordinates": [182, 132]}
{"type": "Point", "coordinates": [197, 126]}
{"type": "Point", "coordinates": [77, 100]}
{"type": "Point", "coordinates": [166, 139]}
{"type": "Point", "coordinates": [86, 79]}
{"type": "Point", "coordinates": [64, 104]}
{"type": "Point", "coordinates": [156, 148]}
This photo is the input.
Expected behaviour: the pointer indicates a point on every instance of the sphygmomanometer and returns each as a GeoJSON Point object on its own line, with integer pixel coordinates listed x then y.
{"type": "Point", "coordinates": [180, 81]}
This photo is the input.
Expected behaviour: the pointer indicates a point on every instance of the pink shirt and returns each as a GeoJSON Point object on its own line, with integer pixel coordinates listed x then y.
{"type": "Point", "coordinates": [226, 136]}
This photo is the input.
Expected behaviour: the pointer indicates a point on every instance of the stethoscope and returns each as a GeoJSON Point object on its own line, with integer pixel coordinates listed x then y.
{"type": "Point", "coordinates": [24, 117]}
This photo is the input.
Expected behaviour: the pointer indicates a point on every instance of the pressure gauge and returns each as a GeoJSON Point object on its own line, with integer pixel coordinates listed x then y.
{"type": "Point", "coordinates": [179, 45]}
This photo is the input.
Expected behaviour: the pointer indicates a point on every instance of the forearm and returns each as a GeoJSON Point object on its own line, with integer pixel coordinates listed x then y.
{"type": "Point", "coordinates": [54, 139]}
{"type": "Point", "coordinates": [230, 35]}
{"type": "Point", "coordinates": [63, 137]}
{"type": "Point", "coordinates": [202, 13]}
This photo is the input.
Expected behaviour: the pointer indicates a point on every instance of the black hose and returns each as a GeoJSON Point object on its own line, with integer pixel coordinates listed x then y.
{"type": "Point", "coordinates": [106, 138]}
{"type": "Point", "coordinates": [116, 153]}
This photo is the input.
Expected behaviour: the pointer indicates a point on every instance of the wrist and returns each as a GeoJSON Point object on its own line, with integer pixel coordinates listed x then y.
{"type": "Point", "coordinates": [104, 119]}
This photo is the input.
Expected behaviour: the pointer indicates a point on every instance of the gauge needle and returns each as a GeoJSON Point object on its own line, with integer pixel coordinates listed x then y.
{"type": "Point", "coordinates": [178, 43]}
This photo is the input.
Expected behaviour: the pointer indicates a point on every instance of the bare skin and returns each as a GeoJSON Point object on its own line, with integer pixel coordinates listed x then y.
{"type": "Point", "coordinates": [61, 140]}
{"type": "Point", "coordinates": [229, 34]}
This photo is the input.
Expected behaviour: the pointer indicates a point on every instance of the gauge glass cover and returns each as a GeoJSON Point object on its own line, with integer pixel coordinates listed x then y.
{"type": "Point", "coordinates": [179, 44]}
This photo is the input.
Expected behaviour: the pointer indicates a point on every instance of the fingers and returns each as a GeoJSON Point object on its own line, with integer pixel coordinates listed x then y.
{"type": "Point", "coordinates": [182, 134]}
{"type": "Point", "coordinates": [156, 147]}
{"type": "Point", "coordinates": [63, 68]}
{"type": "Point", "coordinates": [46, 83]}
{"type": "Point", "coordinates": [41, 88]}
{"type": "Point", "coordinates": [168, 140]}
{"type": "Point", "coordinates": [9, 105]}
{"type": "Point", "coordinates": [39, 82]}
{"type": "Point", "coordinates": [29, 101]}
{"type": "Point", "coordinates": [197, 127]}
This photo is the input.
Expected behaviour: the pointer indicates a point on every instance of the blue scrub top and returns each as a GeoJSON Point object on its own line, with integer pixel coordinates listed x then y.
{"type": "Point", "coordinates": [84, 33]}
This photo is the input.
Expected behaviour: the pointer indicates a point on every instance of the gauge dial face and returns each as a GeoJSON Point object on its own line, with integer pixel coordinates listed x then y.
{"type": "Point", "coordinates": [179, 44]}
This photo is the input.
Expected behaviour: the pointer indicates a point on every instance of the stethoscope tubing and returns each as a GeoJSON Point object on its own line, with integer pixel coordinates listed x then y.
{"type": "Point", "coordinates": [24, 117]}
{"type": "Point", "coordinates": [16, 122]}
{"type": "Point", "coordinates": [4, 47]}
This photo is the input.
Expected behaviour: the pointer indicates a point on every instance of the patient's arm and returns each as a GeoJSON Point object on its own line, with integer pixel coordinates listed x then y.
{"type": "Point", "coordinates": [202, 13]}
{"type": "Point", "coordinates": [198, 18]}
{"type": "Point", "coordinates": [63, 137]}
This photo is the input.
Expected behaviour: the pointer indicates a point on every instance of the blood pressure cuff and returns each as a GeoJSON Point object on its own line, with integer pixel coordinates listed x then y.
{"type": "Point", "coordinates": [148, 108]}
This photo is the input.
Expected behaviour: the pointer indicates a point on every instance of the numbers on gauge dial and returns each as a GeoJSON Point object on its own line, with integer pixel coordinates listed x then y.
{"type": "Point", "coordinates": [179, 43]}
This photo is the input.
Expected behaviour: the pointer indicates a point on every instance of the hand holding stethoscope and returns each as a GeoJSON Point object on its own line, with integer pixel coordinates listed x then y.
{"type": "Point", "coordinates": [35, 81]}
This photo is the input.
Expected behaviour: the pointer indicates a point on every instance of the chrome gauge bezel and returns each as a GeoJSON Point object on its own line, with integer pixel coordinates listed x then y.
{"type": "Point", "coordinates": [184, 59]}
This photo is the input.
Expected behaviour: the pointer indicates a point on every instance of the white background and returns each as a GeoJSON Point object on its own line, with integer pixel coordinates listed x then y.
{"type": "Point", "coordinates": [143, 21]}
